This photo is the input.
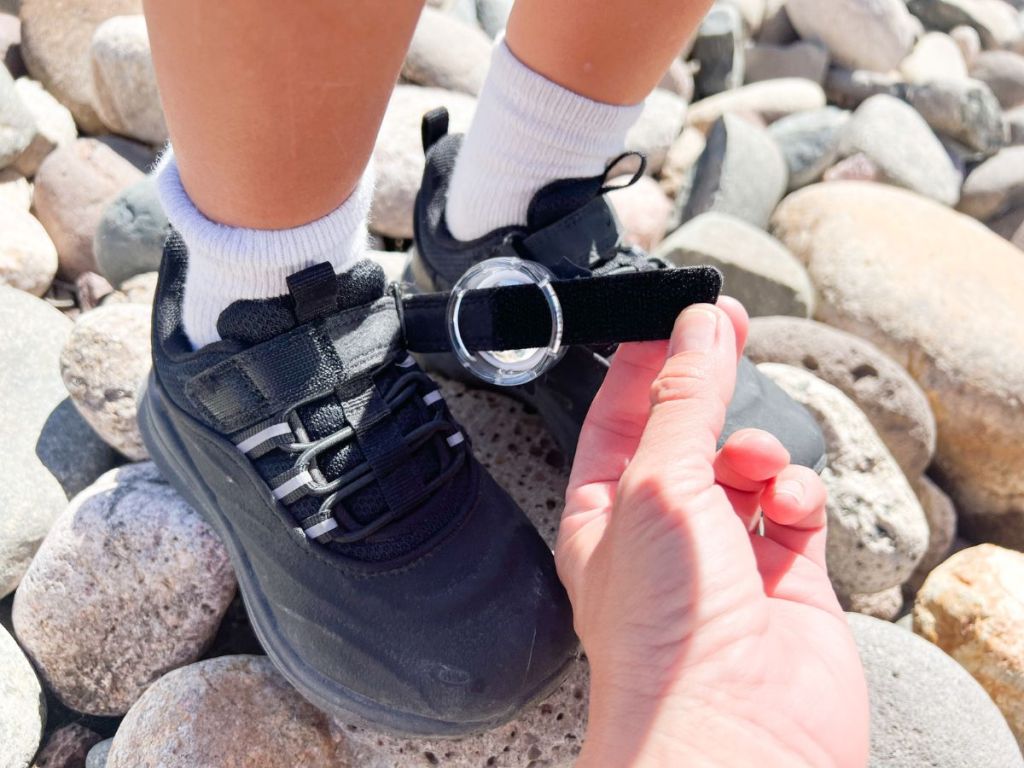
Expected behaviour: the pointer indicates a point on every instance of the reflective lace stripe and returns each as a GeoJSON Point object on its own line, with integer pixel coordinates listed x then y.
{"type": "Point", "coordinates": [455, 439]}
{"type": "Point", "coordinates": [431, 397]}
{"type": "Point", "coordinates": [293, 484]}
{"type": "Point", "coordinates": [274, 430]}
{"type": "Point", "coordinates": [318, 530]}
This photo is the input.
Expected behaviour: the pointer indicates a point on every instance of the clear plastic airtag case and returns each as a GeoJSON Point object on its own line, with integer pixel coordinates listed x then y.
{"type": "Point", "coordinates": [507, 368]}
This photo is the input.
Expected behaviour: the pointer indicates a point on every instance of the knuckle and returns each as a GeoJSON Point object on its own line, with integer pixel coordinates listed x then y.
{"type": "Point", "coordinates": [682, 378]}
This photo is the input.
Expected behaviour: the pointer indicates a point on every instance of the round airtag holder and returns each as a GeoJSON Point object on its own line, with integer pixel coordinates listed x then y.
{"type": "Point", "coordinates": [506, 368]}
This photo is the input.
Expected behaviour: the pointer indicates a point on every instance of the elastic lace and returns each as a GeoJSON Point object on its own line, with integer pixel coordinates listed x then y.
{"type": "Point", "coordinates": [336, 490]}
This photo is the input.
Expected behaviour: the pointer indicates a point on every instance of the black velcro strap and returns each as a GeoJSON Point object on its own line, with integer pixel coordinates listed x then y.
{"type": "Point", "coordinates": [631, 306]}
{"type": "Point", "coordinates": [433, 127]}
{"type": "Point", "coordinates": [315, 291]}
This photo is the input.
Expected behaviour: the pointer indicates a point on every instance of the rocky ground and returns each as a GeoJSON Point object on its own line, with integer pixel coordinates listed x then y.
{"type": "Point", "coordinates": [854, 167]}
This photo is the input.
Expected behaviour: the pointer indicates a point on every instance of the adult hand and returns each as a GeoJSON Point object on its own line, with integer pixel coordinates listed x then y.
{"type": "Point", "coordinates": [709, 643]}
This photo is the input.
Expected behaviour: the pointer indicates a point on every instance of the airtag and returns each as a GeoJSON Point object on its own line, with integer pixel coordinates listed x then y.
{"type": "Point", "coordinates": [507, 368]}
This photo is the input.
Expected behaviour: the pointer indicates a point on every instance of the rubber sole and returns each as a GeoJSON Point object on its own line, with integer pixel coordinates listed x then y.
{"type": "Point", "coordinates": [166, 450]}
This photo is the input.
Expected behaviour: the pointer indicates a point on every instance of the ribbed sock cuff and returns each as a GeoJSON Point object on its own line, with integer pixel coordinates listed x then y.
{"type": "Point", "coordinates": [527, 132]}
{"type": "Point", "coordinates": [227, 263]}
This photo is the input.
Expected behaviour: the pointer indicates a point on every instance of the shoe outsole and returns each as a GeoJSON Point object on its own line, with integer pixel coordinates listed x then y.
{"type": "Point", "coordinates": [343, 704]}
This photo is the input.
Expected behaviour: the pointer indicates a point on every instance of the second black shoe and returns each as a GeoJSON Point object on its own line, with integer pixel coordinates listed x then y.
{"type": "Point", "coordinates": [387, 575]}
{"type": "Point", "coordinates": [572, 231]}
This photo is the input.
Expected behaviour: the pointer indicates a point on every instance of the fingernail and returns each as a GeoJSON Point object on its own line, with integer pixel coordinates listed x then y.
{"type": "Point", "coordinates": [696, 331]}
{"type": "Point", "coordinates": [792, 488]}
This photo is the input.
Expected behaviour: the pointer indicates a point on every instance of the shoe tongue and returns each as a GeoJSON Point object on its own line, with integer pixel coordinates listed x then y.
{"type": "Point", "coordinates": [560, 199]}
{"type": "Point", "coordinates": [252, 321]}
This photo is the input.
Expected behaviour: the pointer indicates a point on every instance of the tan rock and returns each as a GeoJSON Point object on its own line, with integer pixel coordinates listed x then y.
{"type": "Point", "coordinates": [104, 365]}
{"type": "Point", "coordinates": [231, 712]}
{"type": "Point", "coordinates": [681, 158]}
{"type": "Point", "coordinates": [55, 38]}
{"type": "Point", "coordinates": [28, 258]}
{"type": "Point", "coordinates": [447, 53]}
{"type": "Point", "coordinates": [770, 99]}
{"type": "Point", "coordinates": [55, 126]}
{"type": "Point", "coordinates": [885, 605]}
{"type": "Point", "coordinates": [73, 187]}
{"type": "Point", "coordinates": [936, 56]}
{"type": "Point", "coordinates": [870, 250]}
{"type": "Point", "coordinates": [972, 607]}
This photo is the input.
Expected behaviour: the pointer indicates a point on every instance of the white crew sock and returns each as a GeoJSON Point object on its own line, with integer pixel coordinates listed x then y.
{"type": "Point", "coordinates": [226, 264]}
{"type": "Point", "coordinates": [526, 133]}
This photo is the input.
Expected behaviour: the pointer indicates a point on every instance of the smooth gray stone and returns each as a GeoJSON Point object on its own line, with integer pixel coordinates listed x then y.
{"type": "Point", "coordinates": [964, 110]}
{"type": "Point", "coordinates": [741, 172]}
{"type": "Point", "coordinates": [927, 710]}
{"type": "Point", "coordinates": [49, 451]}
{"type": "Point", "coordinates": [493, 15]}
{"type": "Point", "coordinates": [97, 757]}
{"type": "Point", "coordinates": [810, 143]}
{"type": "Point", "coordinates": [130, 237]}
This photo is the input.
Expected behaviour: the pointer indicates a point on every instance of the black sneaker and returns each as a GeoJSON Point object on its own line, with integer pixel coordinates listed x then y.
{"type": "Point", "coordinates": [572, 231]}
{"type": "Point", "coordinates": [387, 575]}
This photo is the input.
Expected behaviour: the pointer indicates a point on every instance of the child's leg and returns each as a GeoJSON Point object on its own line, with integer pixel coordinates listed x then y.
{"type": "Point", "coordinates": [272, 113]}
{"type": "Point", "coordinates": [564, 88]}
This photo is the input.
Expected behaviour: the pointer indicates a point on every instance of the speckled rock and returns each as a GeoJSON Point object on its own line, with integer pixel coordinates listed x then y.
{"type": "Point", "coordinates": [51, 451]}
{"type": "Point", "coordinates": [230, 712]}
{"type": "Point", "coordinates": [876, 35]}
{"type": "Point", "coordinates": [741, 173]}
{"type": "Point", "coordinates": [658, 126]}
{"type": "Point", "coordinates": [935, 57]}
{"type": "Point", "coordinates": [866, 264]}
{"type": "Point", "coordinates": [804, 59]}
{"type": "Point", "coordinates": [125, 83]}
{"type": "Point", "coordinates": [995, 186]}
{"type": "Point", "coordinates": [885, 605]}
{"type": "Point", "coordinates": [995, 21]}
{"type": "Point", "coordinates": [964, 110]}
{"type": "Point", "coordinates": [15, 190]}
{"type": "Point", "coordinates": [398, 155]}
{"type": "Point", "coordinates": [925, 709]}
{"type": "Point", "coordinates": [22, 706]}
{"type": "Point", "coordinates": [97, 757]}
{"type": "Point", "coordinates": [17, 128]}
{"type": "Point", "coordinates": [972, 607]}
{"type": "Point", "coordinates": [758, 269]}
{"type": "Point", "coordinates": [809, 142]}
{"type": "Point", "coordinates": [893, 402]}
{"type": "Point", "coordinates": [28, 258]}
{"type": "Point", "coordinates": [55, 126]}
{"type": "Point", "coordinates": [1003, 72]}
{"type": "Point", "coordinates": [67, 747]}
{"type": "Point", "coordinates": [55, 45]}
{"type": "Point", "coordinates": [130, 236]}
{"type": "Point", "coordinates": [73, 187]}
{"type": "Point", "coordinates": [104, 365]}
{"type": "Point", "coordinates": [447, 53]}
{"type": "Point", "coordinates": [903, 146]}
{"type": "Point", "coordinates": [770, 99]}
{"type": "Point", "coordinates": [129, 584]}
{"type": "Point", "coordinates": [516, 449]}
{"type": "Point", "coordinates": [877, 531]}
{"type": "Point", "coordinates": [643, 210]}
{"type": "Point", "coordinates": [547, 734]}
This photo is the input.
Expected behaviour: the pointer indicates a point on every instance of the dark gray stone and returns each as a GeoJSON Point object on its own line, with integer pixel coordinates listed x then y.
{"type": "Point", "coordinates": [47, 446]}
{"type": "Point", "coordinates": [848, 88]}
{"type": "Point", "coordinates": [130, 237]}
{"type": "Point", "coordinates": [927, 710]}
{"type": "Point", "coordinates": [964, 110]}
{"type": "Point", "coordinates": [804, 59]}
{"type": "Point", "coordinates": [741, 172]}
{"type": "Point", "coordinates": [719, 49]}
{"type": "Point", "coordinates": [810, 143]}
